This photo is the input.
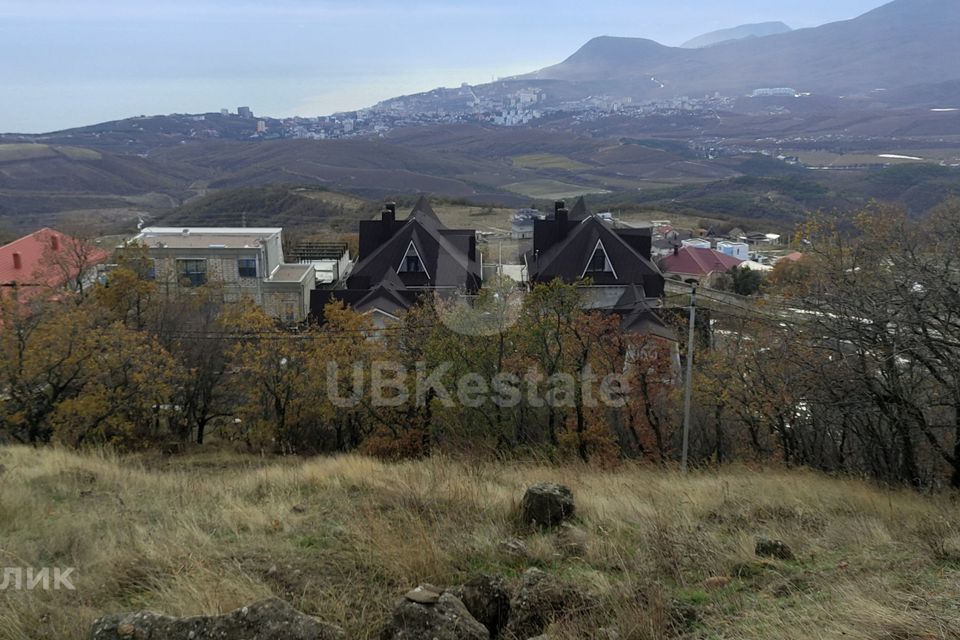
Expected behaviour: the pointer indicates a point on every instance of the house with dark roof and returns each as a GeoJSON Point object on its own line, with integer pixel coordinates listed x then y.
{"type": "Point", "coordinates": [613, 264]}
{"type": "Point", "coordinates": [574, 246]}
{"type": "Point", "coordinates": [400, 260]}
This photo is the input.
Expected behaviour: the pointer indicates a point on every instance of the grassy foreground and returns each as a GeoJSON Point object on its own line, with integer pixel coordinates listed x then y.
{"type": "Point", "coordinates": [342, 538]}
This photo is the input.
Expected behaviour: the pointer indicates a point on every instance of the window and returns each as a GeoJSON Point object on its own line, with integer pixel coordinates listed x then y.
{"type": "Point", "coordinates": [151, 269]}
{"type": "Point", "coordinates": [193, 273]}
{"type": "Point", "coordinates": [599, 262]}
{"type": "Point", "coordinates": [411, 261]}
{"type": "Point", "coordinates": [247, 267]}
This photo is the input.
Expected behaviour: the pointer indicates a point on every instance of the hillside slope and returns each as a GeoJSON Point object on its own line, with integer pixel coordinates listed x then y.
{"type": "Point", "coordinates": [65, 169]}
{"type": "Point", "coordinates": [343, 538]}
{"type": "Point", "coordinates": [291, 207]}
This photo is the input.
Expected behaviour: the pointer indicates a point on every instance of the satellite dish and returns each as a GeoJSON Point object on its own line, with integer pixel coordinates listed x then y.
{"type": "Point", "coordinates": [674, 238]}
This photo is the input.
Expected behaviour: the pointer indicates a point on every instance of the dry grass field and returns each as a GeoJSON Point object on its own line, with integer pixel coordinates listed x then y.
{"type": "Point", "coordinates": [343, 537]}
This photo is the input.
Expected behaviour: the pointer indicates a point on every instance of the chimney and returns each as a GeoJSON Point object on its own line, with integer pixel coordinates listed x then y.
{"type": "Point", "coordinates": [55, 242]}
{"type": "Point", "coordinates": [389, 215]}
{"type": "Point", "coordinates": [563, 218]}
{"type": "Point", "coordinates": [559, 204]}
{"type": "Point", "coordinates": [392, 207]}
{"type": "Point", "coordinates": [17, 261]}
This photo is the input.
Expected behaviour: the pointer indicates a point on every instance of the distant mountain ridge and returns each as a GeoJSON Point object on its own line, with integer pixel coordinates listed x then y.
{"type": "Point", "coordinates": [903, 43]}
{"type": "Point", "coordinates": [758, 30]}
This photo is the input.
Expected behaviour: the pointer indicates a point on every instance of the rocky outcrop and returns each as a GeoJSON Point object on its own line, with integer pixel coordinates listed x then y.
{"type": "Point", "coordinates": [267, 620]}
{"type": "Point", "coordinates": [488, 600]}
{"type": "Point", "coordinates": [546, 504]}
{"type": "Point", "coordinates": [540, 600]}
{"type": "Point", "coordinates": [427, 614]}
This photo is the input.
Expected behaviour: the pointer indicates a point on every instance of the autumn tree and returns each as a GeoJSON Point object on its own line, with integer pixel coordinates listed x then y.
{"type": "Point", "coordinates": [45, 357]}
{"type": "Point", "coordinates": [127, 393]}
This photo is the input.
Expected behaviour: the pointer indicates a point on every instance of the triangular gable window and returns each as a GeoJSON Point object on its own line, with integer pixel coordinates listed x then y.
{"type": "Point", "coordinates": [599, 262]}
{"type": "Point", "coordinates": [412, 262]}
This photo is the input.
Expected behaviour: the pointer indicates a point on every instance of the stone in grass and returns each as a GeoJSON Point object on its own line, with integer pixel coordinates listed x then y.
{"type": "Point", "coordinates": [424, 594]}
{"type": "Point", "coordinates": [271, 619]}
{"type": "Point", "coordinates": [778, 549]}
{"type": "Point", "coordinates": [540, 600]}
{"type": "Point", "coordinates": [547, 504]}
{"type": "Point", "coordinates": [488, 600]}
{"type": "Point", "coordinates": [445, 619]}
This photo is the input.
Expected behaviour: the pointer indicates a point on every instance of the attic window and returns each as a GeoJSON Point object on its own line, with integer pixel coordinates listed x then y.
{"type": "Point", "coordinates": [599, 262]}
{"type": "Point", "coordinates": [412, 263]}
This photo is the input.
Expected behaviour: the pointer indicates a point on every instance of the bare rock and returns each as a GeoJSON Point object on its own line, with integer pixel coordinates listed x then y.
{"type": "Point", "coordinates": [778, 549]}
{"type": "Point", "coordinates": [423, 595]}
{"type": "Point", "coordinates": [268, 620]}
{"type": "Point", "coordinates": [488, 600]}
{"type": "Point", "coordinates": [546, 504]}
{"type": "Point", "coordinates": [540, 600]}
{"type": "Point", "coordinates": [446, 619]}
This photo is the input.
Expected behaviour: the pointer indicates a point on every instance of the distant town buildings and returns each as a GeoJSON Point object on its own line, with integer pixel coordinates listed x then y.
{"type": "Point", "coordinates": [768, 92]}
{"type": "Point", "coordinates": [244, 112]}
{"type": "Point", "coordinates": [739, 250]}
{"type": "Point", "coordinates": [521, 227]}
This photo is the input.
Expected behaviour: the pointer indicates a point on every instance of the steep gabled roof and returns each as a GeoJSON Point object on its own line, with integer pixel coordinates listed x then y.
{"type": "Point", "coordinates": [423, 211]}
{"type": "Point", "coordinates": [579, 211]}
{"type": "Point", "coordinates": [568, 258]}
{"type": "Point", "coordinates": [636, 316]}
{"type": "Point", "coordinates": [389, 296]}
{"type": "Point", "coordinates": [698, 261]}
{"type": "Point", "coordinates": [443, 256]}
{"type": "Point", "coordinates": [645, 321]}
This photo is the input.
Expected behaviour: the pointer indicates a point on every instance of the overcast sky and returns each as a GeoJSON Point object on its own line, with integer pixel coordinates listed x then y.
{"type": "Point", "coordinates": [67, 63]}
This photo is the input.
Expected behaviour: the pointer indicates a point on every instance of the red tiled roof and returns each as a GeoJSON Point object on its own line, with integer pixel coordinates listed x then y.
{"type": "Point", "coordinates": [22, 261]}
{"type": "Point", "coordinates": [698, 261]}
{"type": "Point", "coordinates": [796, 256]}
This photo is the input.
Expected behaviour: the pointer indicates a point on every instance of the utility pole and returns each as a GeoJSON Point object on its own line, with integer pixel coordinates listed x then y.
{"type": "Point", "coordinates": [689, 382]}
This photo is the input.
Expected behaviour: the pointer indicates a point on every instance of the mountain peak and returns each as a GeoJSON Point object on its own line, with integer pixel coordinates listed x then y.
{"type": "Point", "coordinates": [758, 30]}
